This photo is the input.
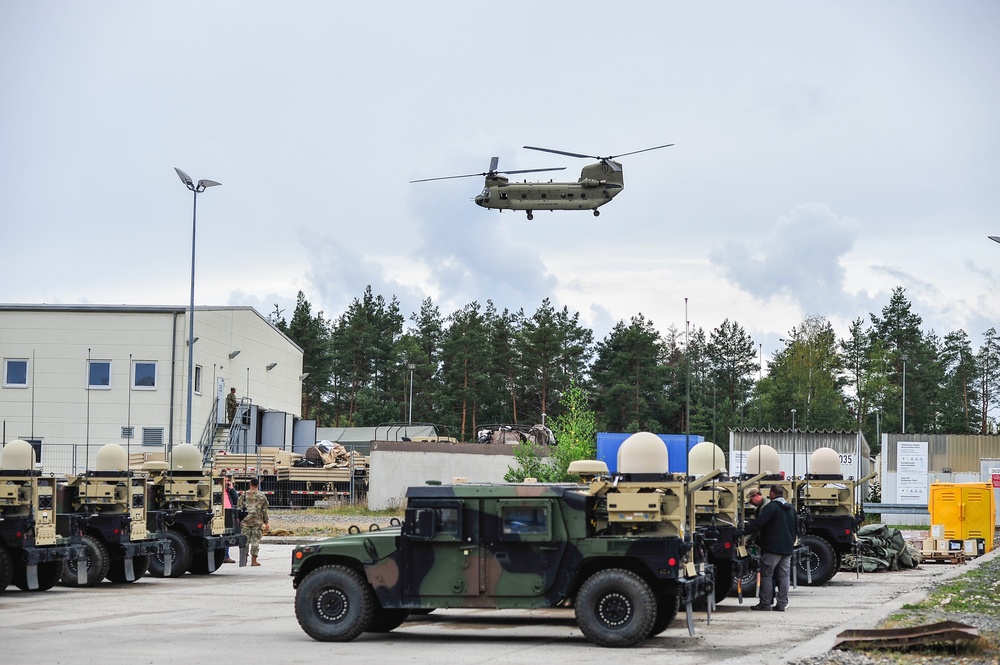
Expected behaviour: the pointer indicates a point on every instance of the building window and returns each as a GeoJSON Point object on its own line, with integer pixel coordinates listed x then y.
{"type": "Point", "coordinates": [15, 373]}
{"type": "Point", "coordinates": [99, 374]}
{"type": "Point", "coordinates": [144, 375]}
{"type": "Point", "coordinates": [152, 436]}
{"type": "Point", "coordinates": [197, 379]}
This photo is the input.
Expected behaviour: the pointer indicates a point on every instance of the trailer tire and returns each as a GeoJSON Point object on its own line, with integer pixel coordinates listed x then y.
{"type": "Point", "coordinates": [98, 561]}
{"type": "Point", "coordinates": [6, 569]}
{"type": "Point", "coordinates": [49, 573]}
{"type": "Point", "coordinates": [615, 608]}
{"type": "Point", "coordinates": [181, 552]}
{"type": "Point", "coordinates": [386, 620]}
{"type": "Point", "coordinates": [116, 572]}
{"type": "Point", "coordinates": [334, 604]}
{"type": "Point", "coordinates": [666, 611]}
{"type": "Point", "coordinates": [821, 561]}
{"type": "Point", "coordinates": [199, 564]}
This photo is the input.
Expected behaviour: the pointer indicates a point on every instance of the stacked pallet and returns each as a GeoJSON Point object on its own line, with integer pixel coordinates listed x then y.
{"type": "Point", "coordinates": [266, 463]}
{"type": "Point", "coordinates": [938, 549]}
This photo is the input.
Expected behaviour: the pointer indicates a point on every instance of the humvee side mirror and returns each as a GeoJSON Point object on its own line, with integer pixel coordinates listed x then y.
{"type": "Point", "coordinates": [423, 524]}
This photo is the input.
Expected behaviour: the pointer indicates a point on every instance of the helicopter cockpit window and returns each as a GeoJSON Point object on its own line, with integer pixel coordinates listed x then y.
{"type": "Point", "coordinates": [486, 192]}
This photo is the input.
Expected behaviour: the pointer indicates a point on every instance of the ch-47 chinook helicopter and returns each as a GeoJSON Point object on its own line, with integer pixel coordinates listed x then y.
{"type": "Point", "coordinates": [598, 184]}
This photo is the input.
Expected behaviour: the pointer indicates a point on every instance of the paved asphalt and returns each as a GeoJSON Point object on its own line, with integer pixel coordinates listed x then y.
{"type": "Point", "coordinates": [246, 615]}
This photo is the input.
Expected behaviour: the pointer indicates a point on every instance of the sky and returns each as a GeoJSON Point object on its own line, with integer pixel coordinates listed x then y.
{"type": "Point", "coordinates": [824, 153]}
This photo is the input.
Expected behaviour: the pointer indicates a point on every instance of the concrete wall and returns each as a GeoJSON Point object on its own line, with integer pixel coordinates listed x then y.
{"type": "Point", "coordinates": [396, 465]}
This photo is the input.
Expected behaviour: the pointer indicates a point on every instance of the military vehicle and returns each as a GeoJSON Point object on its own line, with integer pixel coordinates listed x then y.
{"type": "Point", "coordinates": [825, 502]}
{"type": "Point", "coordinates": [831, 513]}
{"type": "Point", "coordinates": [598, 184]}
{"type": "Point", "coordinates": [715, 503]}
{"type": "Point", "coordinates": [108, 506]}
{"type": "Point", "coordinates": [32, 552]}
{"type": "Point", "coordinates": [616, 549]}
{"type": "Point", "coordinates": [188, 504]}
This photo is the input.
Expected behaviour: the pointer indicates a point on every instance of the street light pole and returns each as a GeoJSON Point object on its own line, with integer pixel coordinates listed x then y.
{"type": "Point", "coordinates": [197, 189]}
{"type": "Point", "coordinates": [411, 367]}
{"type": "Point", "coordinates": [904, 358]}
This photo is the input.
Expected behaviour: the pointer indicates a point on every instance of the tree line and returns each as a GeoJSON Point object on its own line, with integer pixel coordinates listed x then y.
{"type": "Point", "coordinates": [480, 365]}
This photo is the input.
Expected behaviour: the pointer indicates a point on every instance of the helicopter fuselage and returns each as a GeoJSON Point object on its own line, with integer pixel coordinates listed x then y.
{"type": "Point", "coordinates": [598, 184]}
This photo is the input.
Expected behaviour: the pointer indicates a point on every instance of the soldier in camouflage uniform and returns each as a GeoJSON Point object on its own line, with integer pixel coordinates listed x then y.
{"type": "Point", "coordinates": [254, 502]}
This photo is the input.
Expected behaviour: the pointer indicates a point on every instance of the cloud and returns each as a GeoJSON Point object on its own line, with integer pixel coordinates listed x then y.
{"type": "Point", "coordinates": [799, 259]}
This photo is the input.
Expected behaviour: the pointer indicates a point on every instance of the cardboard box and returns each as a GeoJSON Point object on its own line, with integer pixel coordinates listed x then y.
{"type": "Point", "coordinates": [937, 531]}
{"type": "Point", "coordinates": [971, 548]}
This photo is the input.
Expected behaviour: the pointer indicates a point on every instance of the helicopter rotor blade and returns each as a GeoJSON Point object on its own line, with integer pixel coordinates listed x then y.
{"type": "Point", "coordinates": [636, 152]}
{"type": "Point", "coordinates": [494, 161]}
{"type": "Point", "coordinates": [558, 168]}
{"type": "Point", "coordinates": [561, 152]}
{"type": "Point", "coordinates": [450, 177]}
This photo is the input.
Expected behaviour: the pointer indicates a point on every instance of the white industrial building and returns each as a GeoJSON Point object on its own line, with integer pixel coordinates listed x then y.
{"type": "Point", "coordinates": [78, 376]}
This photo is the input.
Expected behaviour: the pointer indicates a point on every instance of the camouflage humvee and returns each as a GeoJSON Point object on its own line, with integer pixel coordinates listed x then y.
{"type": "Point", "coordinates": [614, 549]}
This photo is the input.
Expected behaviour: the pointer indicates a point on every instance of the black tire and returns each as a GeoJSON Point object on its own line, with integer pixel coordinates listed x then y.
{"type": "Point", "coordinates": [723, 584]}
{"type": "Point", "coordinates": [334, 604]}
{"type": "Point", "coordinates": [748, 583]}
{"type": "Point", "coordinates": [6, 570]}
{"type": "Point", "coordinates": [181, 552]}
{"type": "Point", "coordinates": [49, 573]}
{"type": "Point", "coordinates": [666, 612]}
{"type": "Point", "coordinates": [116, 572]}
{"type": "Point", "coordinates": [199, 565]}
{"type": "Point", "coordinates": [386, 620]}
{"type": "Point", "coordinates": [615, 608]}
{"type": "Point", "coordinates": [98, 561]}
{"type": "Point", "coordinates": [821, 561]}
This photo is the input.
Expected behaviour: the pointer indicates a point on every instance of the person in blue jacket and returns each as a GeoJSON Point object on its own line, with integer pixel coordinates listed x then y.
{"type": "Point", "coordinates": [777, 525]}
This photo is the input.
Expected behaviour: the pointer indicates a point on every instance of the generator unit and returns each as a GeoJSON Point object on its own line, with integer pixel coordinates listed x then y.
{"type": "Point", "coordinates": [107, 506]}
{"type": "Point", "coordinates": [186, 503]}
{"type": "Point", "coordinates": [32, 552]}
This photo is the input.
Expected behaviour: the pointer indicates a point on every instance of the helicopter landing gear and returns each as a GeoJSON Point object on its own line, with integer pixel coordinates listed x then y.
{"type": "Point", "coordinates": [530, 216]}
{"type": "Point", "coordinates": [597, 213]}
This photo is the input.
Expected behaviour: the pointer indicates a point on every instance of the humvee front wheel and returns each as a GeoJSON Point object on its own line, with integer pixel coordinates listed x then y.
{"type": "Point", "coordinates": [615, 608]}
{"type": "Point", "coordinates": [97, 563]}
{"type": "Point", "coordinates": [334, 604]}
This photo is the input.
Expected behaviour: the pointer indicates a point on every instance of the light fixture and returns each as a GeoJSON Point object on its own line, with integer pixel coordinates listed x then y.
{"type": "Point", "coordinates": [303, 376]}
{"type": "Point", "coordinates": [196, 190]}
{"type": "Point", "coordinates": [233, 354]}
{"type": "Point", "coordinates": [192, 341]}
{"type": "Point", "coordinates": [271, 366]}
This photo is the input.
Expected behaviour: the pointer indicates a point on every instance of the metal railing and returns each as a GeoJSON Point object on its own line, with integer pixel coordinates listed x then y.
{"type": "Point", "coordinates": [897, 508]}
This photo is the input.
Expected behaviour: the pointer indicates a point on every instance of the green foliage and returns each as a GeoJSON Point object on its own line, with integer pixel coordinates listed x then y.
{"type": "Point", "coordinates": [576, 438]}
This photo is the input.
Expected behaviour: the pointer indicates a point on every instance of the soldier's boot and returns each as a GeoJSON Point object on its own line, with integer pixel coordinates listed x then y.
{"type": "Point", "coordinates": [253, 560]}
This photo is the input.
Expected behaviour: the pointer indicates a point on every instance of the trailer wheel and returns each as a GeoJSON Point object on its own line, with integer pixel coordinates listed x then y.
{"type": "Point", "coordinates": [179, 550]}
{"type": "Point", "coordinates": [386, 620]}
{"type": "Point", "coordinates": [615, 608]}
{"type": "Point", "coordinates": [666, 612]}
{"type": "Point", "coordinates": [97, 563]}
{"type": "Point", "coordinates": [199, 565]}
{"type": "Point", "coordinates": [48, 574]}
{"type": "Point", "coordinates": [6, 569]}
{"type": "Point", "coordinates": [116, 572]}
{"type": "Point", "coordinates": [334, 604]}
{"type": "Point", "coordinates": [821, 561]}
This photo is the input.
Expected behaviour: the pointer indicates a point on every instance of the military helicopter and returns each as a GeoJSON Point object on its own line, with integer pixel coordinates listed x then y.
{"type": "Point", "coordinates": [598, 184]}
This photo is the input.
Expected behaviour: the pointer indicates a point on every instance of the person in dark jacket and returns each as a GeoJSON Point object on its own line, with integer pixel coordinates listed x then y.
{"type": "Point", "coordinates": [777, 525]}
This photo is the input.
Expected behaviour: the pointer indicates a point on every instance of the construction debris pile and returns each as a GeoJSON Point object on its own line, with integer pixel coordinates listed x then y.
{"type": "Point", "coordinates": [328, 455]}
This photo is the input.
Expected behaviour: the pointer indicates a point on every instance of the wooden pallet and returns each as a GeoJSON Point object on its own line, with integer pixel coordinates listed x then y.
{"type": "Point", "coordinates": [944, 557]}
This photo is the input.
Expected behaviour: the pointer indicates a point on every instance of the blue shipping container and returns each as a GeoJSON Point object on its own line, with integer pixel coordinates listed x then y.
{"type": "Point", "coordinates": [608, 444]}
